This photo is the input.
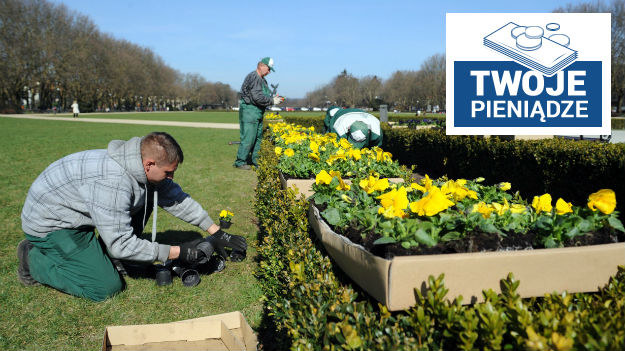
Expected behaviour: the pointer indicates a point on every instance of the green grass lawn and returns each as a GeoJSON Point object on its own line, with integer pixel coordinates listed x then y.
{"type": "Point", "coordinates": [43, 318]}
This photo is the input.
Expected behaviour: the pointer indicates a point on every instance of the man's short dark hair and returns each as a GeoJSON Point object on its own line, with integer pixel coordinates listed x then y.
{"type": "Point", "coordinates": [162, 147]}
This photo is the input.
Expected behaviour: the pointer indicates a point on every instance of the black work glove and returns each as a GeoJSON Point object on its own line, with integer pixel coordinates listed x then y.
{"type": "Point", "coordinates": [190, 254]}
{"type": "Point", "coordinates": [220, 240]}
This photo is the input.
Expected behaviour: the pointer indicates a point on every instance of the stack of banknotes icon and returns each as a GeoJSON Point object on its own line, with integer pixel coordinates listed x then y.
{"type": "Point", "coordinates": [548, 58]}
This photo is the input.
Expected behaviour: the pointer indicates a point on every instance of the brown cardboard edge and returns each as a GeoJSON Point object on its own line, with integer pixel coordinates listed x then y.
{"type": "Point", "coordinates": [359, 264]}
{"type": "Point", "coordinates": [167, 332]}
{"type": "Point", "coordinates": [233, 320]}
{"type": "Point", "coordinates": [540, 271]}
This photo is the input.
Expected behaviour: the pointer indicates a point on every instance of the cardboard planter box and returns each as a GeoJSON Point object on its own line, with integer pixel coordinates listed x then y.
{"type": "Point", "coordinates": [541, 271]}
{"type": "Point", "coordinates": [228, 331]}
{"type": "Point", "coordinates": [304, 186]}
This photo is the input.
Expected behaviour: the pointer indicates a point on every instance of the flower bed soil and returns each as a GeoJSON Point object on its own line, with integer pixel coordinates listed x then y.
{"type": "Point", "coordinates": [477, 242]}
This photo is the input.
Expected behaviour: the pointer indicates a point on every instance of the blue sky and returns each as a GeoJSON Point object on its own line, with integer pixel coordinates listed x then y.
{"type": "Point", "coordinates": [311, 41]}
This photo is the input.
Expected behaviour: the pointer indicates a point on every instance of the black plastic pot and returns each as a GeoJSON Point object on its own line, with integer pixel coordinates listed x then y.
{"type": "Point", "coordinates": [224, 224]}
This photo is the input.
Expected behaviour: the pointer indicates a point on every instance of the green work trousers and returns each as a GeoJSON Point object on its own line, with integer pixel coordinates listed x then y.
{"type": "Point", "coordinates": [75, 262]}
{"type": "Point", "coordinates": [251, 133]}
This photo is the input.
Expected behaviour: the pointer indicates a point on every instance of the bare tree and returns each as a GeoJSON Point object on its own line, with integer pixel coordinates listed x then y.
{"type": "Point", "coordinates": [617, 9]}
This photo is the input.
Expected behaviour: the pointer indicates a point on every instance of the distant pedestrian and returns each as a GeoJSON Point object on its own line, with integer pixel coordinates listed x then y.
{"type": "Point", "coordinates": [75, 108]}
{"type": "Point", "coordinates": [255, 97]}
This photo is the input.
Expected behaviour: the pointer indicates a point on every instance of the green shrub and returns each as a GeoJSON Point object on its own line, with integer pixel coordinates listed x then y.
{"type": "Point", "coordinates": [564, 168]}
{"type": "Point", "coordinates": [312, 121]}
{"type": "Point", "coordinates": [618, 123]}
{"type": "Point", "coordinates": [309, 307]}
{"type": "Point", "coordinates": [416, 118]}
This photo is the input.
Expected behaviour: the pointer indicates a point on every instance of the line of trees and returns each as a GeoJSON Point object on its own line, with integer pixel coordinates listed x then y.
{"type": "Point", "coordinates": [57, 55]}
{"type": "Point", "coordinates": [617, 9]}
{"type": "Point", "coordinates": [404, 90]}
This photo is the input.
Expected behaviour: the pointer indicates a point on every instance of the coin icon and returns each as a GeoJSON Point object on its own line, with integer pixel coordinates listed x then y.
{"type": "Point", "coordinates": [534, 32]}
{"type": "Point", "coordinates": [552, 26]}
{"type": "Point", "coordinates": [526, 43]}
{"type": "Point", "coordinates": [561, 39]}
{"type": "Point", "coordinates": [515, 32]}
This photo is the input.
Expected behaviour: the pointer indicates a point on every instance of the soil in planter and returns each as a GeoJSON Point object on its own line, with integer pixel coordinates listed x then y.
{"type": "Point", "coordinates": [477, 241]}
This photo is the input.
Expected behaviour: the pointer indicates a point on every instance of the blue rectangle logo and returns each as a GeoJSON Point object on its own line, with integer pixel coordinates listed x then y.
{"type": "Point", "coordinates": [507, 94]}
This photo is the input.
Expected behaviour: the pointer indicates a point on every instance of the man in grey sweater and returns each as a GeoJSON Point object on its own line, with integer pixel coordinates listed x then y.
{"type": "Point", "coordinates": [109, 190]}
{"type": "Point", "coordinates": [255, 97]}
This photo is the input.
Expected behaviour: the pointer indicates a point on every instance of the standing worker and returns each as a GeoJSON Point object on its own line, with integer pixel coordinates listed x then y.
{"type": "Point", "coordinates": [110, 190]}
{"type": "Point", "coordinates": [75, 108]}
{"type": "Point", "coordinates": [255, 97]}
{"type": "Point", "coordinates": [360, 128]}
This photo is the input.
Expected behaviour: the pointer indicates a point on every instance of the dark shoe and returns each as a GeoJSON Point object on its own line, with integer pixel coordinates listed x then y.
{"type": "Point", "coordinates": [23, 271]}
{"type": "Point", "coordinates": [244, 167]}
{"type": "Point", "coordinates": [119, 266]}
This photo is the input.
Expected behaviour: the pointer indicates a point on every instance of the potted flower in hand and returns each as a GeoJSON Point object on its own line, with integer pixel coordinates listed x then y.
{"type": "Point", "coordinates": [225, 219]}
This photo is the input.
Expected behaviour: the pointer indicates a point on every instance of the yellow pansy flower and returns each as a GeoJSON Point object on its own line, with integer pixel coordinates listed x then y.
{"type": "Point", "coordinates": [354, 153]}
{"type": "Point", "coordinates": [277, 150]}
{"type": "Point", "coordinates": [225, 214]}
{"type": "Point", "coordinates": [323, 178]}
{"type": "Point", "coordinates": [374, 184]}
{"type": "Point", "coordinates": [500, 209]}
{"type": "Point", "coordinates": [314, 156]}
{"type": "Point", "coordinates": [457, 190]}
{"type": "Point", "coordinates": [563, 207]}
{"type": "Point", "coordinates": [314, 146]}
{"type": "Point", "coordinates": [397, 199]}
{"type": "Point", "coordinates": [427, 182]}
{"type": "Point", "coordinates": [345, 144]}
{"type": "Point", "coordinates": [418, 187]}
{"type": "Point", "coordinates": [542, 203]}
{"type": "Point", "coordinates": [505, 186]}
{"type": "Point", "coordinates": [483, 209]}
{"type": "Point", "coordinates": [434, 202]}
{"type": "Point", "coordinates": [517, 208]}
{"type": "Point", "coordinates": [346, 198]}
{"type": "Point", "coordinates": [603, 200]}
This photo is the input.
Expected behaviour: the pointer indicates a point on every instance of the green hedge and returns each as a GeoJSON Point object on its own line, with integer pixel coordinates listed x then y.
{"type": "Point", "coordinates": [310, 306]}
{"type": "Point", "coordinates": [564, 168]}
{"type": "Point", "coordinates": [416, 118]}
{"type": "Point", "coordinates": [618, 123]}
{"type": "Point", "coordinates": [312, 121]}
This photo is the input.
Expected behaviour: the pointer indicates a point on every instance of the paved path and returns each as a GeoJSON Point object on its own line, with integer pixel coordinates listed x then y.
{"type": "Point", "coordinates": [130, 121]}
{"type": "Point", "coordinates": [618, 136]}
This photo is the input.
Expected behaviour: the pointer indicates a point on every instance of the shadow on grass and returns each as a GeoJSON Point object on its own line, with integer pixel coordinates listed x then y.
{"type": "Point", "coordinates": [147, 270]}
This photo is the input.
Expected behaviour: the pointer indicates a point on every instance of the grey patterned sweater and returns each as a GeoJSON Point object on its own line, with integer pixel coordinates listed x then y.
{"type": "Point", "coordinates": [103, 189]}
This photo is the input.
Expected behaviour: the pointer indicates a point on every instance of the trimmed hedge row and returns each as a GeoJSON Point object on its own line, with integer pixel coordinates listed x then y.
{"type": "Point", "coordinates": [309, 306]}
{"type": "Point", "coordinates": [564, 168]}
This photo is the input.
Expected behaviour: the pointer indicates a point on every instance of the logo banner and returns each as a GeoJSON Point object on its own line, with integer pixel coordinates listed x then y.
{"type": "Point", "coordinates": [534, 74]}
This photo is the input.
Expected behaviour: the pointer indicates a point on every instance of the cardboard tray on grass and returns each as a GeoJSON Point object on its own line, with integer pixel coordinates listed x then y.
{"type": "Point", "coordinates": [228, 331]}
{"type": "Point", "coordinates": [393, 282]}
{"type": "Point", "coordinates": [304, 186]}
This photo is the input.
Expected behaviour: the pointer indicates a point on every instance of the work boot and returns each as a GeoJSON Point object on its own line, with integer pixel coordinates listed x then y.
{"type": "Point", "coordinates": [23, 271]}
{"type": "Point", "coordinates": [119, 266]}
{"type": "Point", "coordinates": [244, 167]}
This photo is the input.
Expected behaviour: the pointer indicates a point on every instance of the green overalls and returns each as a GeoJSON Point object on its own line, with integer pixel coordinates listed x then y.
{"type": "Point", "coordinates": [251, 131]}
